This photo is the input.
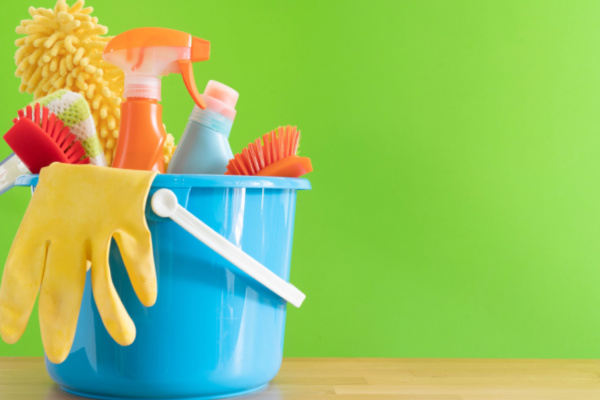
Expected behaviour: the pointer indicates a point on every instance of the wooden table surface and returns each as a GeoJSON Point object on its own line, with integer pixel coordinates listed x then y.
{"type": "Point", "coordinates": [374, 379]}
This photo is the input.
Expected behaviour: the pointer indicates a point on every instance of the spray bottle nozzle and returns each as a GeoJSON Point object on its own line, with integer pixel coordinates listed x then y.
{"type": "Point", "coordinates": [146, 54]}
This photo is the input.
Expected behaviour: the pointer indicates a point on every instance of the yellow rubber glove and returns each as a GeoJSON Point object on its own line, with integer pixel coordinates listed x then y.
{"type": "Point", "coordinates": [73, 214]}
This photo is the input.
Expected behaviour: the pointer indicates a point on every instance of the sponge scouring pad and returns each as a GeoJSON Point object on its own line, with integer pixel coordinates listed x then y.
{"type": "Point", "coordinates": [72, 109]}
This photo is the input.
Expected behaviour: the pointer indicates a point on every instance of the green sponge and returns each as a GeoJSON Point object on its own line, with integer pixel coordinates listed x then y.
{"type": "Point", "coordinates": [72, 109]}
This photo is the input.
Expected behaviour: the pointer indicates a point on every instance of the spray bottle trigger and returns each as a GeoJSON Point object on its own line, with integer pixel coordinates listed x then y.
{"type": "Point", "coordinates": [188, 78]}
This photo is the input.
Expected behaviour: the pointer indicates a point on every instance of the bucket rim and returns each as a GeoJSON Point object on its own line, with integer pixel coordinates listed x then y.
{"type": "Point", "coordinates": [225, 181]}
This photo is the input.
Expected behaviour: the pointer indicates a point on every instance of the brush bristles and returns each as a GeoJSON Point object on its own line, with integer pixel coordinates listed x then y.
{"type": "Point", "coordinates": [58, 132]}
{"type": "Point", "coordinates": [276, 145]}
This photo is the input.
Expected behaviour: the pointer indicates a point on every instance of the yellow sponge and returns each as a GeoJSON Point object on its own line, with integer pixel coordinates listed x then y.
{"type": "Point", "coordinates": [63, 50]}
{"type": "Point", "coordinates": [168, 149]}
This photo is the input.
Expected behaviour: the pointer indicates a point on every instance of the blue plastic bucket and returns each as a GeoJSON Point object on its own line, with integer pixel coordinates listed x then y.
{"type": "Point", "coordinates": [213, 332]}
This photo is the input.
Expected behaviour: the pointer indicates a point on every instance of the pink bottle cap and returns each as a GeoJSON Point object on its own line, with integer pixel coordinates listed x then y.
{"type": "Point", "coordinates": [219, 98]}
{"type": "Point", "coordinates": [222, 92]}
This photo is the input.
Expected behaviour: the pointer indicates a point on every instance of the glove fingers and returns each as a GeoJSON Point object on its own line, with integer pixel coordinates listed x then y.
{"type": "Point", "coordinates": [136, 251]}
{"type": "Point", "coordinates": [21, 282]}
{"type": "Point", "coordinates": [114, 316]}
{"type": "Point", "coordinates": [60, 299]}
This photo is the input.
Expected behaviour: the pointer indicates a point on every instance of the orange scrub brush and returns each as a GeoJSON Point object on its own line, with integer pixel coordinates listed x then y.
{"type": "Point", "coordinates": [276, 156]}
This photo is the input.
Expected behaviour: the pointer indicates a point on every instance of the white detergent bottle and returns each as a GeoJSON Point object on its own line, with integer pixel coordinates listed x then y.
{"type": "Point", "coordinates": [204, 147]}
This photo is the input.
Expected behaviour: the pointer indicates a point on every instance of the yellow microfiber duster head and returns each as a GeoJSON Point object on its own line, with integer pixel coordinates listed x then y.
{"type": "Point", "coordinates": [62, 49]}
{"type": "Point", "coordinates": [169, 148]}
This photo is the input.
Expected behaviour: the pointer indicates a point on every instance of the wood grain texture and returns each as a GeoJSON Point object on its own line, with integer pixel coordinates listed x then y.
{"type": "Point", "coordinates": [374, 379]}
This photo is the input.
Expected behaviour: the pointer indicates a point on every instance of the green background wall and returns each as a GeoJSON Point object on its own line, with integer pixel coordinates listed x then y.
{"type": "Point", "coordinates": [455, 209]}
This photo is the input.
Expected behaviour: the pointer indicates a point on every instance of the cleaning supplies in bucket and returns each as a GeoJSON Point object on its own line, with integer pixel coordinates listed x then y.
{"type": "Point", "coordinates": [144, 55]}
{"type": "Point", "coordinates": [38, 138]}
{"type": "Point", "coordinates": [53, 254]}
{"type": "Point", "coordinates": [204, 147]}
{"type": "Point", "coordinates": [276, 156]}
{"type": "Point", "coordinates": [221, 244]}
{"type": "Point", "coordinates": [74, 213]}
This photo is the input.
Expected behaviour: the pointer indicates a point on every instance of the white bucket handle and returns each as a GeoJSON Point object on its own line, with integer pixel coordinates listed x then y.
{"type": "Point", "coordinates": [164, 204]}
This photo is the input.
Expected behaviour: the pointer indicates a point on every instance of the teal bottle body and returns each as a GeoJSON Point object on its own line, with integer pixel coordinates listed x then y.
{"type": "Point", "coordinates": [204, 147]}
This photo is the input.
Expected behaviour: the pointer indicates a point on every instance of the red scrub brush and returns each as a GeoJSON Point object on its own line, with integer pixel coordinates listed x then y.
{"type": "Point", "coordinates": [276, 156]}
{"type": "Point", "coordinates": [38, 138]}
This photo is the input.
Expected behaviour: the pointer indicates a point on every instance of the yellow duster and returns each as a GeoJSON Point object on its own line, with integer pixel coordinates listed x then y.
{"type": "Point", "coordinates": [62, 49]}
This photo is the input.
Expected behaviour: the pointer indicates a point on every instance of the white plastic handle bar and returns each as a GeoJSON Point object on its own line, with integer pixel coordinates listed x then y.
{"type": "Point", "coordinates": [10, 169]}
{"type": "Point", "coordinates": [165, 204]}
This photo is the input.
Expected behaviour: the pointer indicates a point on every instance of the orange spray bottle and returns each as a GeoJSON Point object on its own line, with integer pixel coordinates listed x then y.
{"type": "Point", "coordinates": [145, 55]}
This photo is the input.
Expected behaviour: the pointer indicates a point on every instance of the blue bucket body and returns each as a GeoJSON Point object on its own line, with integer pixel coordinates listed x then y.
{"type": "Point", "coordinates": [214, 331]}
